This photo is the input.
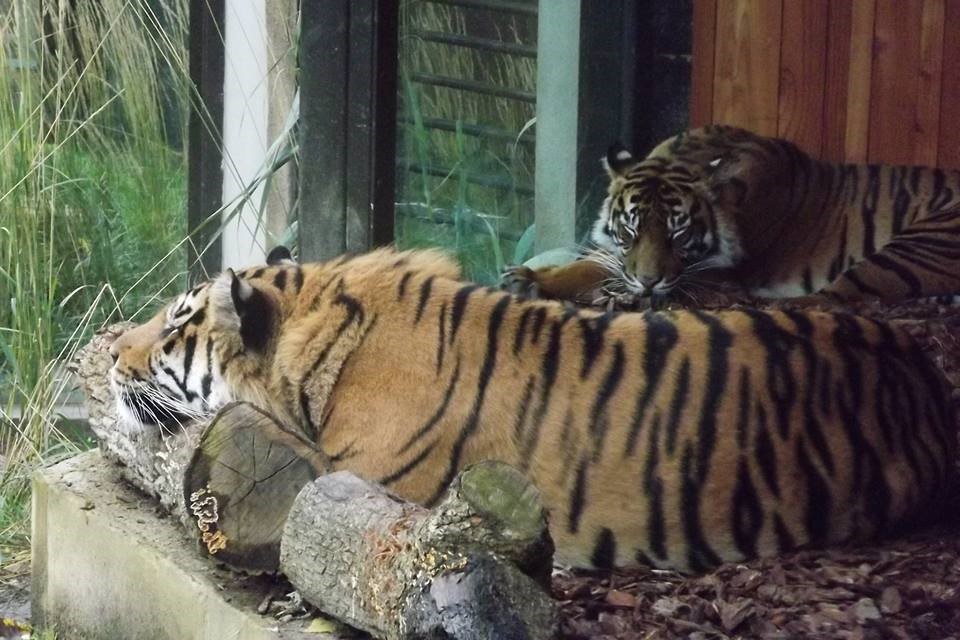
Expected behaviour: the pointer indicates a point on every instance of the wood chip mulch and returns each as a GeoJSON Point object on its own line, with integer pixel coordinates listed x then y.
{"type": "Point", "coordinates": [907, 588]}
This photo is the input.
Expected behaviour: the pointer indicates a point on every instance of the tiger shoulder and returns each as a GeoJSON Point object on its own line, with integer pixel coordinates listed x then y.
{"type": "Point", "coordinates": [721, 201]}
{"type": "Point", "coordinates": [680, 439]}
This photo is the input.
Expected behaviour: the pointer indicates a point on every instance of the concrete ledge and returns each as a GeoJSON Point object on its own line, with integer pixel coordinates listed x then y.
{"type": "Point", "coordinates": [105, 565]}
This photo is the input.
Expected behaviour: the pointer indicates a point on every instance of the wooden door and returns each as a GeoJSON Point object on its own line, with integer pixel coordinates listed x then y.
{"type": "Point", "coordinates": [852, 80]}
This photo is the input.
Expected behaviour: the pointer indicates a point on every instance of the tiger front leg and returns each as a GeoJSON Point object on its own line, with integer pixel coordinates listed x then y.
{"type": "Point", "coordinates": [581, 281]}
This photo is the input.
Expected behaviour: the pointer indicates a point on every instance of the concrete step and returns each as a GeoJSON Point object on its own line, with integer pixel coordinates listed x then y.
{"type": "Point", "coordinates": [106, 565]}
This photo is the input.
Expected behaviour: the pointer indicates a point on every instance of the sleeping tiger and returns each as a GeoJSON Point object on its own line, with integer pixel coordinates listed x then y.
{"type": "Point", "coordinates": [681, 439]}
{"type": "Point", "coordinates": [769, 217]}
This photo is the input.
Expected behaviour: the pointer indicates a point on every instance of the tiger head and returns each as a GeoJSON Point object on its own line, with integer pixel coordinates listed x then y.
{"type": "Point", "coordinates": [660, 224]}
{"type": "Point", "coordinates": [194, 355]}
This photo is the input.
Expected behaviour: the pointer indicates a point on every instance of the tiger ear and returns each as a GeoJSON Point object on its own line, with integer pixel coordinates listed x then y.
{"type": "Point", "coordinates": [280, 255]}
{"type": "Point", "coordinates": [617, 161]}
{"type": "Point", "coordinates": [241, 307]}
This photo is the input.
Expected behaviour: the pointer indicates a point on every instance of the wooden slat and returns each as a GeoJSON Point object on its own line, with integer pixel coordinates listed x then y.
{"type": "Point", "coordinates": [746, 68]}
{"type": "Point", "coordinates": [704, 47]}
{"type": "Point", "coordinates": [894, 85]}
{"type": "Point", "coordinates": [930, 81]}
{"type": "Point", "coordinates": [836, 81]}
{"type": "Point", "coordinates": [948, 152]}
{"type": "Point", "coordinates": [857, 132]}
{"type": "Point", "coordinates": [803, 54]}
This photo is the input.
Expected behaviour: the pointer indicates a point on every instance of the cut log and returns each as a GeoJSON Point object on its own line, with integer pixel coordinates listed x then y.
{"type": "Point", "coordinates": [241, 482]}
{"type": "Point", "coordinates": [398, 570]}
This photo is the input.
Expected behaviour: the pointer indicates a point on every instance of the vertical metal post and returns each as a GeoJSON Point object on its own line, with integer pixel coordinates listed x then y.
{"type": "Point", "coordinates": [205, 173]}
{"type": "Point", "coordinates": [584, 86]}
{"type": "Point", "coordinates": [348, 53]}
{"type": "Point", "coordinates": [558, 88]}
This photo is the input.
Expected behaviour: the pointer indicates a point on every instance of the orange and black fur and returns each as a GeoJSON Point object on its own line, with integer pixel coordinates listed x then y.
{"type": "Point", "coordinates": [678, 438]}
{"type": "Point", "coordinates": [776, 221]}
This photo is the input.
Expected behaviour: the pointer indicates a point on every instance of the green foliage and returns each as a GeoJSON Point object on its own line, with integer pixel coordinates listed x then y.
{"type": "Point", "coordinates": [93, 97]}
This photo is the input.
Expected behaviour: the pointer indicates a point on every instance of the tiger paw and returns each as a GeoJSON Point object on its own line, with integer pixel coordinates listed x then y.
{"type": "Point", "coordinates": [520, 280]}
{"type": "Point", "coordinates": [617, 300]}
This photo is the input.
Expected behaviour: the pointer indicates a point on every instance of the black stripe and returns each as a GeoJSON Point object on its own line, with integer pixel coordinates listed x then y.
{"type": "Point", "coordinates": [747, 513]}
{"type": "Point", "coordinates": [785, 541]}
{"type": "Point", "coordinates": [439, 413]}
{"type": "Point", "coordinates": [812, 427]}
{"type": "Point", "coordinates": [486, 371]}
{"type": "Point", "coordinates": [577, 498]}
{"type": "Point", "coordinates": [678, 403]}
{"type": "Point", "coordinates": [868, 208]}
{"type": "Point", "coordinates": [836, 265]}
{"type": "Point", "coordinates": [197, 318]}
{"type": "Point", "coordinates": [904, 273]}
{"type": "Point", "coordinates": [604, 550]}
{"type": "Point", "coordinates": [807, 280]}
{"type": "Point", "coordinates": [661, 337]}
{"type": "Point", "coordinates": [861, 285]}
{"type": "Point", "coordinates": [441, 339]}
{"type": "Point", "coordinates": [550, 366]}
{"type": "Point", "coordinates": [207, 380]}
{"type": "Point", "coordinates": [719, 341]}
{"type": "Point", "coordinates": [297, 278]}
{"type": "Point", "coordinates": [540, 316]}
{"type": "Point", "coordinates": [743, 410]}
{"type": "Point", "coordinates": [280, 280]}
{"type": "Point", "coordinates": [459, 306]}
{"type": "Point", "coordinates": [407, 468]}
{"type": "Point", "coordinates": [521, 330]}
{"type": "Point", "coordinates": [766, 454]}
{"type": "Point", "coordinates": [523, 409]}
{"type": "Point", "coordinates": [599, 421]}
{"type": "Point", "coordinates": [781, 384]}
{"type": "Point", "coordinates": [653, 490]}
{"type": "Point", "coordinates": [424, 296]}
{"type": "Point", "coordinates": [819, 500]}
{"type": "Point", "coordinates": [354, 315]}
{"type": "Point", "coordinates": [700, 556]}
{"type": "Point", "coordinates": [592, 331]}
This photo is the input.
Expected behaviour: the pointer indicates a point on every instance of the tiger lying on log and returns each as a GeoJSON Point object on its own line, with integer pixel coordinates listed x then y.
{"type": "Point", "coordinates": [682, 439]}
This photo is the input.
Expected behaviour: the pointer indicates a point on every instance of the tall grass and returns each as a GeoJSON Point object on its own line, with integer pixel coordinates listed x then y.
{"type": "Point", "coordinates": [93, 104]}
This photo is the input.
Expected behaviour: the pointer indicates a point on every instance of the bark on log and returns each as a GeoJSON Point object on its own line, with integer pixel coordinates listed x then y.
{"type": "Point", "coordinates": [152, 461]}
{"type": "Point", "coordinates": [398, 570]}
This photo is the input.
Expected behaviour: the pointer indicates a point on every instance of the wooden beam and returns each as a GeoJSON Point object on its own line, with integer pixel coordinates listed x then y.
{"type": "Point", "coordinates": [704, 47]}
{"type": "Point", "coordinates": [803, 60]}
{"type": "Point", "coordinates": [204, 133]}
{"type": "Point", "coordinates": [348, 53]}
{"type": "Point", "coordinates": [747, 66]}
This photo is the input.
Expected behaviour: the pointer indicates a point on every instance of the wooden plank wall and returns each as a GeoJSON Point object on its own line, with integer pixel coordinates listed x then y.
{"type": "Point", "coordinates": [851, 80]}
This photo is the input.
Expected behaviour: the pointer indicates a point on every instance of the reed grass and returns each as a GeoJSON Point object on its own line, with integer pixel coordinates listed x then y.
{"type": "Point", "coordinates": [93, 104]}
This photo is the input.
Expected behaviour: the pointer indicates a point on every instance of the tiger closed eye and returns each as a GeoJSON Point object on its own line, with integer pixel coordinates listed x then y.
{"type": "Point", "coordinates": [168, 331]}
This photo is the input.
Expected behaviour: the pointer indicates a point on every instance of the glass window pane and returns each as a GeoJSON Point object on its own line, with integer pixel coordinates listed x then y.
{"type": "Point", "coordinates": [465, 138]}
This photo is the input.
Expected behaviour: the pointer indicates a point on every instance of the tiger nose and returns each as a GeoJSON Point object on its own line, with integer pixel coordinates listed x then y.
{"type": "Point", "coordinates": [650, 282]}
